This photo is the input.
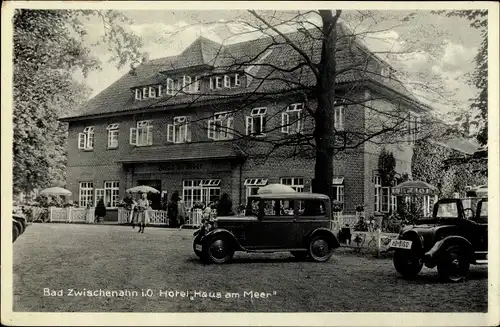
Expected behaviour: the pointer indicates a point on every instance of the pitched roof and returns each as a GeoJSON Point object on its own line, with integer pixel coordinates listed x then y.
{"type": "Point", "coordinates": [460, 144]}
{"type": "Point", "coordinates": [119, 97]}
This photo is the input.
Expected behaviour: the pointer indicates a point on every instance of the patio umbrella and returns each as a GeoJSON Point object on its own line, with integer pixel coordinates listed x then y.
{"type": "Point", "coordinates": [275, 188]}
{"type": "Point", "coordinates": [55, 191]}
{"type": "Point", "coordinates": [142, 189]}
{"type": "Point", "coordinates": [414, 188]}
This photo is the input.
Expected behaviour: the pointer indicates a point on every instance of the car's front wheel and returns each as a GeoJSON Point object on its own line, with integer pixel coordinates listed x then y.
{"type": "Point", "coordinates": [218, 249]}
{"type": "Point", "coordinates": [15, 233]}
{"type": "Point", "coordinates": [320, 249]}
{"type": "Point", "coordinates": [407, 263]}
{"type": "Point", "coordinates": [197, 245]}
{"type": "Point", "coordinates": [454, 264]}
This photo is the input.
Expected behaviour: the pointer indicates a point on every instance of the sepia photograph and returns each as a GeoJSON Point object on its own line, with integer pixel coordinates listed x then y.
{"type": "Point", "coordinates": [249, 158]}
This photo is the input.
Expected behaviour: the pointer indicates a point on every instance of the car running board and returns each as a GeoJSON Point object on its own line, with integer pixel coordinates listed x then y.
{"type": "Point", "coordinates": [481, 262]}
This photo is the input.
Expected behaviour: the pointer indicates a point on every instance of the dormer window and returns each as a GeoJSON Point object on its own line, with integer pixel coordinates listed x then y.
{"type": "Point", "coordinates": [225, 81]}
{"type": "Point", "coordinates": [138, 94]}
{"type": "Point", "coordinates": [186, 84]}
{"type": "Point", "coordinates": [152, 92]}
{"type": "Point", "coordinates": [237, 81]}
{"type": "Point", "coordinates": [171, 90]}
{"type": "Point", "coordinates": [145, 93]}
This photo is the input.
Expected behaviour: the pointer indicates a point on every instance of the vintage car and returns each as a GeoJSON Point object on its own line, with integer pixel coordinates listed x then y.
{"type": "Point", "coordinates": [452, 239]}
{"type": "Point", "coordinates": [287, 222]}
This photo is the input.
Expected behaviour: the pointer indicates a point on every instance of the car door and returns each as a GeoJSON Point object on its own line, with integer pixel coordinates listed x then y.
{"type": "Point", "coordinates": [311, 214]}
{"type": "Point", "coordinates": [273, 230]}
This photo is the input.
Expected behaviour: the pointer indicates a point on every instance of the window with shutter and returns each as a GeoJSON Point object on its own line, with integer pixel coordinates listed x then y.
{"type": "Point", "coordinates": [170, 133]}
{"type": "Point", "coordinates": [170, 86]}
{"type": "Point", "coordinates": [160, 90]}
{"type": "Point", "coordinates": [249, 125]}
{"type": "Point", "coordinates": [285, 121]}
{"type": "Point", "coordinates": [230, 127]}
{"type": "Point", "coordinates": [211, 83]}
{"type": "Point", "coordinates": [133, 136]}
{"type": "Point", "coordinates": [227, 81]}
{"type": "Point", "coordinates": [81, 141]}
{"type": "Point", "coordinates": [137, 94]}
{"type": "Point", "coordinates": [197, 84]}
{"type": "Point", "coordinates": [152, 92]}
{"type": "Point", "coordinates": [211, 129]}
{"type": "Point", "coordinates": [149, 135]}
{"type": "Point", "coordinates": [145, 93]}
{"type": "Point", "coordinates": [237, 81]}
{"type": "Point", "coordinates": [186, 84]}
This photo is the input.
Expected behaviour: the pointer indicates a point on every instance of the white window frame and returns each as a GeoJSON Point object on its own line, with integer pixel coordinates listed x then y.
{"type": "Point", "coordinates": [254, 184]}
{"type": "Point", "coordinates": [145, 93]}
{"type": "Point", "coordinates": [298, 124]}
{"type": "Point", "coordinates": [257, 114]}
{"type": "Point", "coordinates": [237, 80]}
{"type": "Point", "coordinates": [218, 82]}
{"type": "Point", "coordinates": [152, 92]}
{"type": "Point", "coordinates": [113, 133]}
{"type": "Point", "coordinates": [179, 131]}
{"type": "Point", "coordinates": [99, 193]}
{"type": "Point", "coordinates": [225, 120]}
{"type": "Point", "coordinates": [297, 183]}
{"type": "Point", "coordinates": [227, 81]}
{"type": "Point", "coordinates": [186, 84]}
{"type": "Point", "coordinates": [87, 138]}
{"type": "Point", "coordinates": [170, 87]}
{"type": "Point", "coordinates": [338, 184]}
{"type": "Point", "coordinates": [114, 194]}
{"type": "Point", "coordinates": [142, 135]}
{"type": "Point", "coordinates": [160, 93]}
{"type": "Point", "coordinates": [138, 94]}
{"type": "Point", "coordinates": [204, 187]}
{"type": "Point", "coordinates": [377, 181]}
{"type": "Point", "coordinates": [339, 117]}
{"type": "Point", "coordinates": [197, 84]}
{"type": "Point", "coordinates": [85, 193]}
{"type": "Point", "coordinates": [385, 199]}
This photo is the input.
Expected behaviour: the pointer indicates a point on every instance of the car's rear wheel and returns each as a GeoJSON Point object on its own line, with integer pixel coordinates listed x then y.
{"type": "Point", "coordinates": [407, 263]}
{"type": "Point", "coordinates": [218, 249]}
{"type": "Point", "coordinates": [320, 249]}
{"type": "Point", "coordinates": [301, 255]}
{"type": "Point", "coordinates": [453, 265]}
{"type": "Point", "coordinates": [15, 233]}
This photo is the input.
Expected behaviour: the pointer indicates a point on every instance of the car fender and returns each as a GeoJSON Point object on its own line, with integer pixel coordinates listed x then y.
{"type": "Point", "coordinates": [323, 231]}
{"type": "Point", "coordinates": [431, 257]}
{"type": "Point", "coordinates": [225, 232]}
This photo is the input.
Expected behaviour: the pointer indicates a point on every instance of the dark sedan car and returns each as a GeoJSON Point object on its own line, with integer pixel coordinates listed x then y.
{"type": "Point", "coordinates": [289, 222]}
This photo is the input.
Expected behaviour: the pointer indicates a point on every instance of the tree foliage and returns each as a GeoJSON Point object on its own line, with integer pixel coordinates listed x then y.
{"type": "Point", "coordinates": [49, 46]}
{"type": "Point", "coordinates": [386, 167]}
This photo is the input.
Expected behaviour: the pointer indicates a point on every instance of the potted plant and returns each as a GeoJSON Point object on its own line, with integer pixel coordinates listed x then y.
{"type": "Point", "coordinates": [360, 207]}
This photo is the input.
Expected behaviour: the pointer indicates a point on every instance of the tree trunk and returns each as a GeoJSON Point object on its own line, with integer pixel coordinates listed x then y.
{"type": "Point", "coordinates": [324, 132]}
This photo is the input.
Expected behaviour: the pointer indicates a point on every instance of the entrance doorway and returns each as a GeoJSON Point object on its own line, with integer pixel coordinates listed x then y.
{"type": "Point", "coordinates": [155, 198]}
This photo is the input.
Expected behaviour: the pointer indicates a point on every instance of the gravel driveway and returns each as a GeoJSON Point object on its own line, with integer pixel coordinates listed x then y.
{"type": "Point", "coordinates": [113, 268]}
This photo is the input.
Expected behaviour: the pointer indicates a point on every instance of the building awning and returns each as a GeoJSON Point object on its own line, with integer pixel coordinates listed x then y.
{"type": "Point", "coordinates": [338, 181]}
{"type": "Point", "coordinates": [182, 152]}
{"type": "Point", "coordinates": [210, 182]}
{"type": "Point", "coordinates": [255, 181]}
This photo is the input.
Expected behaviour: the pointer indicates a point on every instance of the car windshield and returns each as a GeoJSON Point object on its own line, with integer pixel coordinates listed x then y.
{"type": "Point", "coordinates": [447, 210]}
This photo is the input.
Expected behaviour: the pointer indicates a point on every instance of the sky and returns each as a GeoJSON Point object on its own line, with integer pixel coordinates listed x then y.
{"type": "Point", "coordinates": [440, 47]}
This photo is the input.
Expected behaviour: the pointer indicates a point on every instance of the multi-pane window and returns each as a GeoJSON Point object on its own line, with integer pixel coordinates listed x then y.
{"type": "Point", "coordinates": [256, 122]}
{"type": "Point", "coordinates": [86, 139]}
{"type": "Point", "coordinates": [297, 183]}
{"type": "Point", "coordinates": [386, 197]}
{"type": "Point", "coordinates": [339, 117]}
{"type": "Point", "coordinates": [112, 135]}
{"type": "Point", "coordinates": [179, 131]}
{"type": "Point", "coordinates": [384, 200]}
{"type": "Point", "coordinates": [112, 193]}
{"type": "Point", "coordinates": [292, 120]}
{"type": "Point", "coordinates": [86, 194]}
{"type": "Point", "coordinates": [221, 127]}
{"type": "Point", "coordinates": [99, 195]}
{"type": "Point", "coordinates": [253, 184]}
{"type": "Point", "coordinates": [338, 189]}
{"type": "Point", "coordinates": [206, 191]}
{"type": "Point", "coordinates": [142, 135]}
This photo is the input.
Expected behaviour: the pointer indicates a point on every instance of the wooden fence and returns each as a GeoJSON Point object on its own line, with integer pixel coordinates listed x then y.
{"type": "Point", "coordinates": [71, 215]}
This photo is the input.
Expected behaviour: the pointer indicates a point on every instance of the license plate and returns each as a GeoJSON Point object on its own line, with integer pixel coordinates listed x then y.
{"type": "Point", "coordinates": [400, 244]}
{"type": "Point", "coordinates": [198, 247]}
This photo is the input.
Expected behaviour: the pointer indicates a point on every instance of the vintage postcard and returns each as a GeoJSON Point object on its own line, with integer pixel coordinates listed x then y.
{"type": "Point", "coordinates": [250, 163]}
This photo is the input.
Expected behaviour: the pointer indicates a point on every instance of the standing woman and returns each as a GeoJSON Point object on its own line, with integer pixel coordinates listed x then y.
{"type": "Point", "coordinates": [142, 206]}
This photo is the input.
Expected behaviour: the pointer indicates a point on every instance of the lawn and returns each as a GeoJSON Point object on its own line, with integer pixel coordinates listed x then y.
{"type": "Point", "coordinates": [116, 258]}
